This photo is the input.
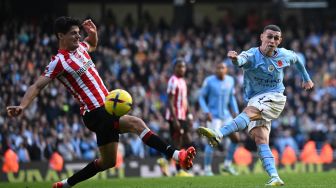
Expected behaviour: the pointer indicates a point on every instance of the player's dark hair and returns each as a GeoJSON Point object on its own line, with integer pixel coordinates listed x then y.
{"type": "Point", "coordinates": [272, 27]}
{"type": "Point", "coordinates": [178, 61]}
{"type": "Point", "coordinates": [63, 24]}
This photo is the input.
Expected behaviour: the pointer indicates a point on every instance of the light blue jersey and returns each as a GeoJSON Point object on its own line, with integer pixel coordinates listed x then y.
{"type": "Point", "coordinates": [216, 95]}
{"type": "Point", "coordinates": [264, 74]}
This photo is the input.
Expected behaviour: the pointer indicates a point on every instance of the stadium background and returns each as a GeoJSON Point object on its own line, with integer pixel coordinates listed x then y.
{"type": "Point", "coordinates": [137, 42]}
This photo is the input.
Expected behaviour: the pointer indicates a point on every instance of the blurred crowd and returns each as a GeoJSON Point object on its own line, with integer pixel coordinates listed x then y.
{"type": "Point", "coordinates": [138, 58]}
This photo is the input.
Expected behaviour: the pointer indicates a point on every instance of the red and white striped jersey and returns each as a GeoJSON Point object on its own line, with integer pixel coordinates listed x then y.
{"type": "Point", "coordinates": [178, 88]}
{"type": "Point", "coordinates": [78, 74]}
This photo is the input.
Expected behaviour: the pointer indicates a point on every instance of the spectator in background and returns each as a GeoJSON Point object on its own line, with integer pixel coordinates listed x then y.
{"type": "Point", "coordinates": [10, 160]}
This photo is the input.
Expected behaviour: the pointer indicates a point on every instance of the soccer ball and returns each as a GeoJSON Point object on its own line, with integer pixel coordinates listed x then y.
{"type": "Point", "coordinates": [118, 102]}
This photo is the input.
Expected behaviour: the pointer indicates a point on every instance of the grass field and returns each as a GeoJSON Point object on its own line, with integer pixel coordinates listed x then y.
{"type": "Point", "coordinates": [307, 180]}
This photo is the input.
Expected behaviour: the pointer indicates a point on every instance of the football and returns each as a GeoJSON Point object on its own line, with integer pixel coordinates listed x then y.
{"type": "Point", "coordinates": [118, 102]}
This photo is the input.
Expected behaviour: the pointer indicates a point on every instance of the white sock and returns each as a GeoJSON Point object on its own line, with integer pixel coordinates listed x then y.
{"type": "Point", "coordinates": [227, 163]}
{"type": "Point", "coordinates": [219, 133]}
{"type": "Point", "coordinates": [65, 183]}
{"type": "Point", "coordinates": [207, 168]}
{"type": "Point", "coordinates": [175, 155]}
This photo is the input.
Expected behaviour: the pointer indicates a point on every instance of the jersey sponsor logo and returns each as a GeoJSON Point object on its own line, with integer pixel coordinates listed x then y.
{"type": "Point", "coordinates": [267, 82]}
{"type": "Point", "coordinates": [84, 68]}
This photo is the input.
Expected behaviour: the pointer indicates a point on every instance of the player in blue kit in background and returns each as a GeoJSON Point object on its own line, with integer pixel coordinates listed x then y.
{"type": "Point", "coordinates": [263, 89]}
{"type": "Point", "coordinates": [216, 96]}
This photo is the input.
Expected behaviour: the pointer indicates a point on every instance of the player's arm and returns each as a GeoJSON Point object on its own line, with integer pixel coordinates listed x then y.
{"type": "Point", "coordinates": [171, 97]}
{"type": "Point", "coordinates": [92, 38]}
{"type": "Point", "coordinates": [202, 99]}
{"type": "Point", "coordinates": [240, 59]}
{"type": "Point", "coordinates": [233, 104]}
{"type": "Point", "coordinates": [29, 96]}
{"type": "Point", "coordinates": [307, 82]}
{"type": "Point", "coordinates": [202, 96]}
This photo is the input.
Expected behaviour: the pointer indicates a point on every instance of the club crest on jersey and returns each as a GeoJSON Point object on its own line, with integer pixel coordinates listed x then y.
{"type": "Point", "coordinates": [271, 68]}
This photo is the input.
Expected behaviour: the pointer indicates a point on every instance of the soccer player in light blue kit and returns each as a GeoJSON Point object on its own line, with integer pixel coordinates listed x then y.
{"type": "Point", "coordinates": [263, 88]}
{"type": "Point", "coordinates": [216, 95]}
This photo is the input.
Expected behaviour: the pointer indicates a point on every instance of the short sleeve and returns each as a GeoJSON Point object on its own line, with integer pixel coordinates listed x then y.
{"type": "Point", "coordinates": [54, 68]}
{"type": "Point", "coordinates": [172, 85]}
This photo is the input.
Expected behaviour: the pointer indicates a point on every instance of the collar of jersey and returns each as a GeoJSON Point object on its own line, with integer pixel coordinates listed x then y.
{"type": "Point", "coordinates": [274, 55]}
{"type": "Point", "coordinates": [65, 51]}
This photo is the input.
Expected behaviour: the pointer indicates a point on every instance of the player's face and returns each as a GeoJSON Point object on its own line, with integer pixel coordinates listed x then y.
{"type": "Point", "coordinates": [180, 69]}
{"type": "Point", "coordinates": [221, 70]}
{"type": "Point", "coordinates": [270, 40]}
{"type": "Point", "coordinates": [70, 39]}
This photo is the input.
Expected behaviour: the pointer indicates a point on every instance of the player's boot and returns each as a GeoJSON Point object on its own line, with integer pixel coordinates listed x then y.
{"type": "Point", "coordinates": [164, 166]}
{"type": "Point", "coordinates": [57, 185]}
{"type": "Point", "coordinates": [230, 170]}
{"type": "Point", "coordinates": [61, 184]}
{"type": "Point", "coordinates": [186, 157]}
{"type": "Point", "coordinates": [208, 173]}
{"type": "Point", "coordinates": [211, 135]}
{"type": "Point", "coordinates": [275, 181]}
{"type": "Point", "coordinates": [182, 173]}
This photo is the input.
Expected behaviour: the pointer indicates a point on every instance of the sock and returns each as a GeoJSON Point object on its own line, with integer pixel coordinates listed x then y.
{"type": "Point", "coordinates": [207, 168]}
{"type": "Point", "coordinates": [267, 159]}
{"type": "Point", "coordinates": [237, 124]}
{"type": "Point", "coordinates": [65, 183]}
{"type": "Point", "coordinates": [178, 167]}
{"type": "Point", "coordinates": [87, 172]}
{"type": "Point", "coordinates": [230, 153]}
{"type": "Point", "coordinates": [175, 155]}
{"type": "Point", "coordinates": [152, 140]}
{"type": "Point", "coordinates": [208, 155]}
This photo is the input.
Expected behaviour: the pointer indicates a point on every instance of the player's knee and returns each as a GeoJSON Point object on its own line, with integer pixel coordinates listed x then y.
{"type": "Point", "coordinates": [260, 139]}
{"type": "Point", "coordinates": [137, 124]}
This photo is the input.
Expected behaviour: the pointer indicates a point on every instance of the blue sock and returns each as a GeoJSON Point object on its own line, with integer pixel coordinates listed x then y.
{"type": "Point", "coordinates": [237, 124]}
{"type": "Point", "coordinates": [208, 154]}
{"type": "Point", "coordinates": [267, 159]}
{"type": "Point", "coordinates": [231, 150]}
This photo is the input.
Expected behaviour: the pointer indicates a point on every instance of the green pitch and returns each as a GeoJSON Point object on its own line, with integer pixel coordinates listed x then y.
{"type": "Point", "coordinates": [294, 180]}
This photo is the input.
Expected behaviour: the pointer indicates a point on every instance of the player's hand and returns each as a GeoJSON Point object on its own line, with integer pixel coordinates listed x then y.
{"type": "Point", "coordinates": [176, 124]}
{"type": "Point", "coordinates": [233, 55]}
{"type": "Point", "coordinates": [14, 111]}
{"type": "Point", "coordinates": [89, 26]}
{"type": "Point", "coordinates": [308, 85]}
{"type": "Point", "coordinates": [208, 117]}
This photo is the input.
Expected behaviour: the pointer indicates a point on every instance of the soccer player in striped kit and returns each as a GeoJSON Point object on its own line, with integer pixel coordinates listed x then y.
{"type": "Point", "coordinates": [74, 68]}
{"type": "Point", "coordinates": [263, 89]}
{"type": "Point", "coordinates": [177, 110]}
{"type": "Point", "coordinates": [216, 96]}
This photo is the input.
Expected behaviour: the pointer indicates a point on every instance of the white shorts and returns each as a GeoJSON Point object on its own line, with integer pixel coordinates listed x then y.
{"type": "Point", "coordinates": [270, 105]}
